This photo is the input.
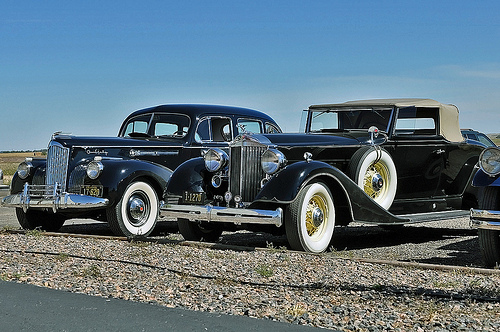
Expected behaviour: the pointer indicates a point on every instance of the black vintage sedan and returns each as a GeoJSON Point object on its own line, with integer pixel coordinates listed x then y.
{"type": "Point", "coordinates": [119, 179]}
{"type": "Point", "coordinates": [383, 162]}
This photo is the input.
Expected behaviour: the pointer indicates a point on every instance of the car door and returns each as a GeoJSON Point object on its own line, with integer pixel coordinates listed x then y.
{"type": "Point", "coordinates": [419, 153]}
{"type": "Point", "coordinates": [212, 131]}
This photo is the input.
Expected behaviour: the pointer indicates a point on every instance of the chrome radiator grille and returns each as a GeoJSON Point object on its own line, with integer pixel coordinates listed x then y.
{"type": "Point", "coordinates": [57, 165]}
{"type": "Point", "coordinates": [245, 172]}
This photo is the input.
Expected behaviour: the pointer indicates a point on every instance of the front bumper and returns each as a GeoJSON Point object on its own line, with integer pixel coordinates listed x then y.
{"type": "Point", "coordinates": [222, 214]}
{"type": "Point", "coordinates": [485, 219]}
{"type": "Point", "coordinates": [51, 197]}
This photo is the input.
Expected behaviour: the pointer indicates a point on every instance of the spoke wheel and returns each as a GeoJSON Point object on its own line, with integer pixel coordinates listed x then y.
{"type": "Point", "coordinates": [374, 172]}
{"type": "Point", "coordinates": [310, 219]}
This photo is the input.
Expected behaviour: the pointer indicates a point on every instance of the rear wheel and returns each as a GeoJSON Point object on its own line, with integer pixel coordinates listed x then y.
{"type": "Point", "coordinates": [193, 231]}
{"type": "Point", "coordinates": [310, 219]}
{"type": "Point", "coordinates": [34, 219]}
{"type": "Point", "coordinates": [489, 240]}
{"type": "Point", "coordinates": [136, 213]}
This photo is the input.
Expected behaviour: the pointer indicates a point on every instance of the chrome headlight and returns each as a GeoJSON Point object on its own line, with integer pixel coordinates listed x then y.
{"type": "Point", "coordinates": [215, 159]}
{"type": "Point", "coordinates": [489, 161]}
{"type": "Point", "coordinates": [24, 169]}
{"type": "Point", "coordinates": [94, 168]}
{"type": "Point", "coordinates": [272, 160]}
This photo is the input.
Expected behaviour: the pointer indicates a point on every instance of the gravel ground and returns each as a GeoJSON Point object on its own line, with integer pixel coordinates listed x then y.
{"type": "Point", "coordinates": [331, 290]}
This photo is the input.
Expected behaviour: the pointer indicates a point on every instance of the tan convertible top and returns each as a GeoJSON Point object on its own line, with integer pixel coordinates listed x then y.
{"type": "Point", "coordinates": [448, 114]}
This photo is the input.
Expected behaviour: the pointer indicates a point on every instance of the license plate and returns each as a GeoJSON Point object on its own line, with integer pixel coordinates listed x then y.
{"type": "Point", "coordinates": [193, 198]}
{"type": "Point", "coordinates": [89, 190]}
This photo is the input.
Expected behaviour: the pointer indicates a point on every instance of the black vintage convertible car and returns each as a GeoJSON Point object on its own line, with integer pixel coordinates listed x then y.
{"type": "Point", "coordinates": [119, 179]}
{"type": "Point", "coordinates": [376, 161]}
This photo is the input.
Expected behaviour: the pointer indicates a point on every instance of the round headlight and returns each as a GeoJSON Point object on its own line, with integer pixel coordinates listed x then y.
{"type": "Point", "coordinates": [24, 169]}
{"type": "Point", "coordinates": [489, 161]}
{"type": "Point", "coordinates": [272, 160]}
{"type": "Point", "coordinates": [94, 169]}
{"type": "Point", "coordinates": [215, 159]}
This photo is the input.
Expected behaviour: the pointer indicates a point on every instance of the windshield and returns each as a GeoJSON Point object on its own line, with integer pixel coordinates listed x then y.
{"type": "Point", "coordinates": [157, 125]}
{"type": "Point", "coordinates": [348, 119]}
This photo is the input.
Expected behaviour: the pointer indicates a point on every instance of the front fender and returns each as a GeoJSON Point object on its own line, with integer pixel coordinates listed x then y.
{"type": "Point", "coordinates": [350, 199]}
{"type": "Point", "coordinates": [37, 176]}
{"type": "Point", "coordinates": [481, 179]}
{"type": "Point", "coordinates": [189, 176]}
{"type": "Point", "coordinates": [118, 174]}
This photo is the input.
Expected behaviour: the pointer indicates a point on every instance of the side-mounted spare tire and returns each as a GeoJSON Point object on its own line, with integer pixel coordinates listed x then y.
{"type": "Point", "coordinates": [373, 170]}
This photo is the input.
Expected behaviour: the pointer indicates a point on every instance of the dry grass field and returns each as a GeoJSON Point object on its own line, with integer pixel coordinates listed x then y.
{"type": "Point", "coordinates": [10, 160]}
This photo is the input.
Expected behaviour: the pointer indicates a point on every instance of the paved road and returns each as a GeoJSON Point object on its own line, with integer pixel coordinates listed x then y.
{"type": "Point", "coordinates": [31, 308]}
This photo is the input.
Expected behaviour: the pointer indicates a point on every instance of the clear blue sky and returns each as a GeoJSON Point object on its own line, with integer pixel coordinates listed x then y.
{"type": "Point", "coordinates": [82, 66]}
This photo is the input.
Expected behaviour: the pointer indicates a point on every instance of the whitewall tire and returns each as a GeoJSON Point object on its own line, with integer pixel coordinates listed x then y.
{"type": "Point", "coordinates": [136, 213]}
{"type": "Point", "coordinates": [374, 171]}
{"type": "Point", "coordinates": [310, 219]}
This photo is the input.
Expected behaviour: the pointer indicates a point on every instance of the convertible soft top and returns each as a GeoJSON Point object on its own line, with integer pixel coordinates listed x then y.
{"type": "Point", "coordinates": [448, 113]}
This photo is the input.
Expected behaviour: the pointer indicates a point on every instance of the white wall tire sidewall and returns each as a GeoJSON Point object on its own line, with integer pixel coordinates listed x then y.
{"type": "Point", "coordinates": [147, 227]}
{"type": "Point", "coordinates": [321, 243]}
{"type": "Point", "coordinates": [388, 198]}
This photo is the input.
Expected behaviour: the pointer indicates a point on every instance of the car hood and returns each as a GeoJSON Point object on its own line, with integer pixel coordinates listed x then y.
{"type": "Point", "coordinates": [95, 141]}
{"type": "Point", "coordinates": [319, 139]}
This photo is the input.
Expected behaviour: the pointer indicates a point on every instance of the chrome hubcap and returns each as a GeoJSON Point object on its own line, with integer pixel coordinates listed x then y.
{"type": "Point", "coordinates": [138, 209]}
{"type": "Point", "coordinates": [377, 182]}
{"type": "Point", "coordinates": [317, 217]}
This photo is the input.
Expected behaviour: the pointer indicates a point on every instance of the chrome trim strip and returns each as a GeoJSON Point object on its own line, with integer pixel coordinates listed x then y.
{"type": "Point", "coordinates": [222, 214]}
{"type": "Point", "coordinates": [486, 219]}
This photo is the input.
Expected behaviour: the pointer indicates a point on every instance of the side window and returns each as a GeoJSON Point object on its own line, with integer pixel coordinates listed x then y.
{"type": "Point", "coordinates": [221, 130]}
{"type": "Point", "coordinates": [417, 121]}
{"type": "Point", "coordinates": [485, 140]}
{"type": "Point", "coordinates": [137, 125]}
{"type": "Point", "coordinates": [271, 129]}
{"type": "Point", "coordinates": [249, 126]}
{"type": "Point", "coordinates": [165, 129]}
{"type": "Point", "coordinates": [214, 129]}
{"type": "Point", "coordinates": [203, 131]}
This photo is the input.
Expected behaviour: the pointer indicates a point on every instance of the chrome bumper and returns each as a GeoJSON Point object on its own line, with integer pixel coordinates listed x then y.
{"type": "Point", "coordinates": [52, 199]}
{"type": "Point", "coordinates": [222, 214]}
{"type": "Point", "coordinates": [487, 219]}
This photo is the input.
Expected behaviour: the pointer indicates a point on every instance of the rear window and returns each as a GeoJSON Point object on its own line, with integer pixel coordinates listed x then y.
{"type": "Point", "coordinates": [417, 121]}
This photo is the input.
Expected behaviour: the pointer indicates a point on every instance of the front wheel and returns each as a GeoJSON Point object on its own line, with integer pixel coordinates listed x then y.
{"type": "Point", "coordinates": [310, 219]}
{"type": "Point", "coordinates": [193, 231]}
{"type": "Point", "coordinates": [33, 219]}
{"type": "Point", "coordinates": [489, 239]}
{"type": "Point", "coordinates": [489, 242]}
{"type": "Point", "coordinates": [136, 213]}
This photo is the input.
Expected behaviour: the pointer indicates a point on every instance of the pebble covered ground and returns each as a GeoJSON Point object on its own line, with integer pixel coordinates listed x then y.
{"type": "Point", "coordinates": [329, 290]}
